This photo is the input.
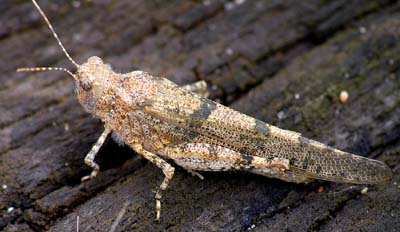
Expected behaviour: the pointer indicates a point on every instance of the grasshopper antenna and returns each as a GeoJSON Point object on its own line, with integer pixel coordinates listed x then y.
{"type": "Point", "coordinates": [54, 33]}
{"type": "Point", "coordinates": [40, 69]}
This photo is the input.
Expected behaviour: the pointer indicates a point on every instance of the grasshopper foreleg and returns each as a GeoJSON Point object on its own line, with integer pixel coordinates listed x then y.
{"type": "Point", "coordinates": [89, 159]}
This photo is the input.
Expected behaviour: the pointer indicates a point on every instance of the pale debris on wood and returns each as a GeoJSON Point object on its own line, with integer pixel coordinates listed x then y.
{"type": "Point", "coordinates": [343, 96]}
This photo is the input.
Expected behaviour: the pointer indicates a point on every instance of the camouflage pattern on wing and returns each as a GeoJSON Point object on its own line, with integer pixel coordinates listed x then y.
{"type": "Point", "coordinates": [216, 124]}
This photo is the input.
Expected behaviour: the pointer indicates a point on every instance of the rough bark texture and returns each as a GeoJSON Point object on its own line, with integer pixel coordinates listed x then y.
{"type": "Point", "coordinates": [284, 62]}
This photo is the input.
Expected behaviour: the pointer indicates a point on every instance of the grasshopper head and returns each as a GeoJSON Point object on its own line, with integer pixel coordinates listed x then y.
{"type": "Point", "coordinates": [92, 78]}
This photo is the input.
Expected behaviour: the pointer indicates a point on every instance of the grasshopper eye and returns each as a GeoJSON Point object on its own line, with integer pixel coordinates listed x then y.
{"type": "Point", "coordinates": [85, 84]}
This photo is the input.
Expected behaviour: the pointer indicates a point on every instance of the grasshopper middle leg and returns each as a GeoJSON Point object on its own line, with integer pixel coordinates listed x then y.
{"type": "Point", "coordinates": [199, 87]}
{"type": "Point", "coordinates": [167, 169]}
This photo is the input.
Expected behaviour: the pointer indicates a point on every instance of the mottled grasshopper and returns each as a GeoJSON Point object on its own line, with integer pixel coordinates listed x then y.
{"type": "Point", "coordinates": [163, 121]}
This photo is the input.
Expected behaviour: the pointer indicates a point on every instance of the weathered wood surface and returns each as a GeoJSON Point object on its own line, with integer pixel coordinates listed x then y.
{"type": "Point", "coordinates": [284, 62]}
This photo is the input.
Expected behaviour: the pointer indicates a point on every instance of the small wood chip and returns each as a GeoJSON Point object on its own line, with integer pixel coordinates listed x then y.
{"type": "Point", "coordinates": [364, 191]}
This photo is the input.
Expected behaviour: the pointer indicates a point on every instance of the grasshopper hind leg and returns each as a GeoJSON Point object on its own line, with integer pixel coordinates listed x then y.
{"type": "Point", "coordinates": [287, 176]}
{"type": "Point", "coordinates": [208, 157]}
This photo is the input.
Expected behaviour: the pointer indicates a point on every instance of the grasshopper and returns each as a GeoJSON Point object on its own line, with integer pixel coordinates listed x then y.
{"type": "Point", "coordinates": [163, 121]}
